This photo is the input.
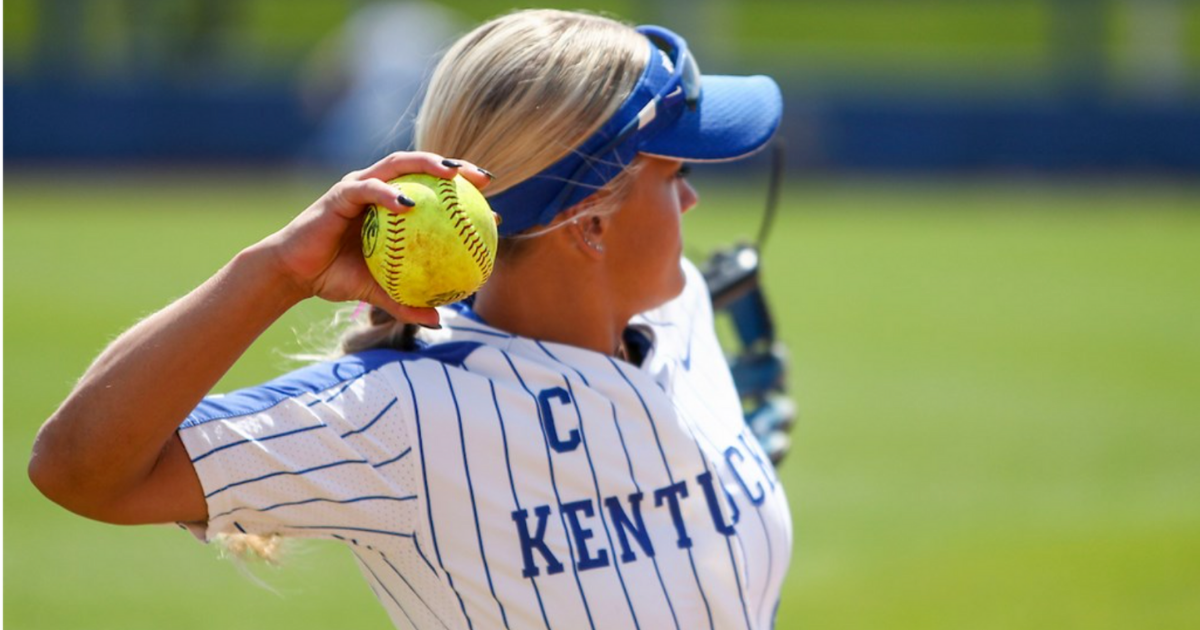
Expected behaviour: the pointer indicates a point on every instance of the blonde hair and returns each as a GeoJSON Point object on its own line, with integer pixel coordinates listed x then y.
{"type": "Point", "coordinates": [518, 93]}
{"type": "Point", "coordinates": [243, 547]}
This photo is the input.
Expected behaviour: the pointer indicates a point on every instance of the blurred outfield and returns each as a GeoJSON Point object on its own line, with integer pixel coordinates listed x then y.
{"type": "Point", "coordinates": [998, 383]}
{"type": "Point", "coordinates": [984, 46]}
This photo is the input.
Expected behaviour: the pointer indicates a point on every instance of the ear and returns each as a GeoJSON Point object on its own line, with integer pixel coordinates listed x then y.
{"type": "Point", "coordinates": [589, 233]}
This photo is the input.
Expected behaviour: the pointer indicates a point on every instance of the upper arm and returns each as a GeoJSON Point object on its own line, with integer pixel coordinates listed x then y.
{"type": "Point", "coordinates": [170, 493]}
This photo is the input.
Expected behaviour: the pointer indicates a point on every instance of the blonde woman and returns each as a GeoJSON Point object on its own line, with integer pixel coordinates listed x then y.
{"type": "Point", "coordinates": [564, 450]}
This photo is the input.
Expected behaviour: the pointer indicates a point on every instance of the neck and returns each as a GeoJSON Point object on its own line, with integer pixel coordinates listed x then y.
{"type": "Point", "coordinates": [546, 294]}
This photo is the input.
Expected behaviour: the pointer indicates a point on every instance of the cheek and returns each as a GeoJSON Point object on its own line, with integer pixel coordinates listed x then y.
{"type": "Point", "coordinates": [669, 213]}
{"type": "Point", "coordinates": [670, 244]}
{"type": "Point", "coordinates": [667, 231]}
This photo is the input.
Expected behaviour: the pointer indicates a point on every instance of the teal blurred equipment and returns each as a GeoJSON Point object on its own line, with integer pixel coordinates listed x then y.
{"type": "Point", "coordinates": [758, 361]}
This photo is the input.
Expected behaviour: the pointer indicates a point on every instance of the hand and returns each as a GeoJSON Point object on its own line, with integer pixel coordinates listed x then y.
{"type": "Point", "coordinates": [320, 251]}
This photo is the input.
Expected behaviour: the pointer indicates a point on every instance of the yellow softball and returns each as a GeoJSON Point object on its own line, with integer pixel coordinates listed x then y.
{"type": "Point", "coordinates": [438, 252]}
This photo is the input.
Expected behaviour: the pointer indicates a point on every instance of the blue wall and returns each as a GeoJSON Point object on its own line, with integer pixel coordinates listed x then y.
{"type": "Point", "coordinates": [140, 123]}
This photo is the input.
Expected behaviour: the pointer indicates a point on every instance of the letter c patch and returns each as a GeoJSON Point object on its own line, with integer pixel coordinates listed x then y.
{"type": "Point", "coordinates": [556, 443]}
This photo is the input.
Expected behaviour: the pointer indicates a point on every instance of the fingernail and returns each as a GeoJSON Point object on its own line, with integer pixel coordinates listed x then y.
{"type": "Point", "coordinates": [431, 326]}
{"type": "Point", "coordinates": [485, 172]}
{"type": "Point", "coordinates": [403, 200]}
{"type": "Point", "coordinates": [451, 163]}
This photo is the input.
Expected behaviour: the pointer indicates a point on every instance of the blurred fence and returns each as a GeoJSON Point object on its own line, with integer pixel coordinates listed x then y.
{"type": "Point", "coordinates": [871, 85]}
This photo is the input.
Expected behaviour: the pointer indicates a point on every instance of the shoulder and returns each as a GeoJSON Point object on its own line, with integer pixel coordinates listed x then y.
{"type": "Point", "coordinates": [307, 385]}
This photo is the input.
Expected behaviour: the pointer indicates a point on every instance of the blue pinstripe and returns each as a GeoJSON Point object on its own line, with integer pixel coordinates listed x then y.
{"type": "Point", "coordinates": [770, 562]}
{"type": "Point", "coordinates": [400, 575]}
{"type": "Point", "coordinates": [595, 481]}
{"type": "Point", "coordinates": [600, 506]}
{"type": "Point", "coordinates": [671, 478]}
{"type": "Point", "coordinates": [762, 522]}
{"type": "Point", "coordinates": [513, 485]}
{"type": "Point", "coordinates": [766, 534]}
{"type": "Point", "coordinates": [429, 499]}
{"type": "Point", "coordinates": [389, 593]}
{"type": "Point", "coordinates": [745, 558]}
{"type": "Point", "coordinates": [392, 460]}
{"type": "Point", "coordinates": [638, 487]}
{"type": "Point", "coordinates": [471, 492]}
{"type": "Point", "coordinates": [480, 331]}
{"type": "Point", "coordinates": [732, 560]}
{"type": "Point", "coordinates": [417, 546]}
{"type": "Point", "coordinates": [256, 439]}
{"type": "Point", "coordinates": [554, 485]}
{"type": "Point", "coordinates": [372, 422]}
{"type": "Point", "coordinates": [349, 528]}
{"type": "Point", "coordinates": [335, 394]}
{"type": "Point", "coordinates": [307, 501]}
{"type": "Point", "coordinates": [286, 473]}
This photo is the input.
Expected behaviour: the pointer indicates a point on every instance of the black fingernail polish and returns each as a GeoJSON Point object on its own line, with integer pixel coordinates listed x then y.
{"type": "Point", "coordinates": [405, 201]}
{"type": "Point", "coordinates": [486, 172]}
{"type": "Point", "coordinates": [431, 326]}
{"type": "Point", "coordinates": [451, 163]}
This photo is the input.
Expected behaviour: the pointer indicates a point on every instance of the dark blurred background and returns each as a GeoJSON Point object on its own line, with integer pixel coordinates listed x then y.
{"type": "Point", "coordinates": [1074, 86]}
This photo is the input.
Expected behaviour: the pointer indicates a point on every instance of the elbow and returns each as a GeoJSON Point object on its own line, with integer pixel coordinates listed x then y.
{"type": "Point", "coordinates": [58, 483]}
{"type": "Point", "coordinates": [48, 475]}
{"type": "Point", "coordinates": [56, 474]}
{"type": "Point", "coordinates": [95, 484]}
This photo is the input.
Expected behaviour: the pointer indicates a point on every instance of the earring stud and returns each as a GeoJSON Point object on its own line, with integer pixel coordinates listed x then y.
{"type": "Point", "coordinates": [596, 246]}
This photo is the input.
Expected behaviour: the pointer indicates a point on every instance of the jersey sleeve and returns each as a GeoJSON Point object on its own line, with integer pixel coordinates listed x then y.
{"type": "Point", "coordinates": [318, 453]}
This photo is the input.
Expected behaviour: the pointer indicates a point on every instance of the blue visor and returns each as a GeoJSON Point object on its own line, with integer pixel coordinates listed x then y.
{"type": "Point", "coordinates": [673, 112]}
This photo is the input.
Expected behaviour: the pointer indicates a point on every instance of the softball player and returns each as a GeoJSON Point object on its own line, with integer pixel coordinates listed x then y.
{"type": "Point", "coordinates": [565, 450]}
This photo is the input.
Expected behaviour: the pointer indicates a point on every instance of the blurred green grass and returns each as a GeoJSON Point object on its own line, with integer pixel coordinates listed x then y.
{"type": "Point", "coordinates": [983, 46]}
{"type": "Point", "coordinates": [997, 382]}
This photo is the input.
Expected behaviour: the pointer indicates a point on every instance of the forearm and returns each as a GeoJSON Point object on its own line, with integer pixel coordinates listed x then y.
{"type": "Point", "coordinates": [108, 435]}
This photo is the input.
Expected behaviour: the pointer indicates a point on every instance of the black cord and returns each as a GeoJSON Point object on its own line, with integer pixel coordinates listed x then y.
{"type": "Point", "coordinates": [773, 189]}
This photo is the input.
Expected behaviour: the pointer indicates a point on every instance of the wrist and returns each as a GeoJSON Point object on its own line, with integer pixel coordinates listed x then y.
{"type": "Point", "coordinates": [273, 282]}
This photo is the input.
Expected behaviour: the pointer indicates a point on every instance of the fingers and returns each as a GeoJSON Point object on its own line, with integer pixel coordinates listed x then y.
{"type": "Point", "coordinates": [400, 163]}
{"type": "Point", "coordinates": [474, 174]}
{"type": "Point", "coordinates": [351, 197]}
{"type": "Point", "coordinates": [404, 162]}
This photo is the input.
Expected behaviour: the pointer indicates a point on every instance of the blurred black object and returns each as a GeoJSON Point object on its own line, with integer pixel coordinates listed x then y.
{"type": "Point", "coordinates": [759, 360]}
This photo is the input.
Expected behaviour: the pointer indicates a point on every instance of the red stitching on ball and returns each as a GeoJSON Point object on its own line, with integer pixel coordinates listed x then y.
{"type": "Point", "coordinates": [448, 195]}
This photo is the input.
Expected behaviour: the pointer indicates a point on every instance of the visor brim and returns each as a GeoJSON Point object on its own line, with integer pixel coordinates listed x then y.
{"type": "Point", "coordinates": [736, 117]}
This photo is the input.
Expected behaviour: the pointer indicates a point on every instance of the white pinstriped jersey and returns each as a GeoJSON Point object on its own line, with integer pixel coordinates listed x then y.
{"type": "Point", "coordinates": [495, 481]}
